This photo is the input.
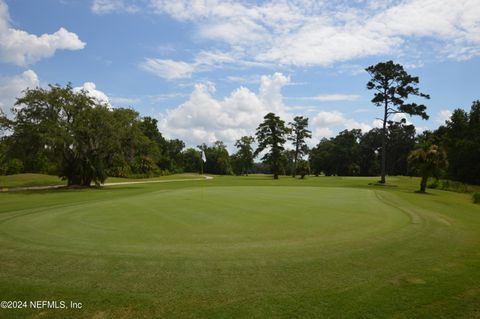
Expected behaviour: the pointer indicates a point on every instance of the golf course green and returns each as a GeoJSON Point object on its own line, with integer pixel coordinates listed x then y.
{"type": "Point", "coordinates": [243, 247]}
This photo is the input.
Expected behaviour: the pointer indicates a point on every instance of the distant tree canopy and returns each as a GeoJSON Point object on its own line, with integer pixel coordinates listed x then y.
{"type": "Point", "coordinates": [460, 137]}
{"type": "Point", "coordinates": [242, 161]}
{"type": "Point", "coordinates": [218, 159]}
{"type": "Point", "coordinates": [392, 87]}
{"type": "Point", "coordinates": [354, 153]}
{"type": "Point", "coordinates": [58, 130]}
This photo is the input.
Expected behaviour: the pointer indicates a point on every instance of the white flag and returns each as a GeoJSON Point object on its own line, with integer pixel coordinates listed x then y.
{"type": "Point", "coordinates": [204, 159]}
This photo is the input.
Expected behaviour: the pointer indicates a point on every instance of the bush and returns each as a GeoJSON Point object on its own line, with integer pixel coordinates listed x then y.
{"type": "Point", "coordinates": [14, 166]}
{"type": "Point", "coordinates": [476, 197]}
{"type": "Point", "coordinates": [303, 168]}
{"type": "Point", "coordinates": [454, 186]}
{"type": "Point", "coordinates": [433, 185]}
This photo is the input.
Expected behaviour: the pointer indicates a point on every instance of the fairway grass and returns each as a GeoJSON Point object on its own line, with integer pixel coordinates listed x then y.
{"type": "Point", "coordinates": [243, 247]}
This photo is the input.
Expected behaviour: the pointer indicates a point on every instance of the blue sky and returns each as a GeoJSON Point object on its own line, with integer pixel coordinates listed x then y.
{"type": "Point", "coordinates": [210, 69]}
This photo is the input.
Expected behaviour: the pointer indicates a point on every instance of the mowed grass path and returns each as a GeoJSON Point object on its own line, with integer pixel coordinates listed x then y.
{"type": "Point", "coordinates": [243, 247]}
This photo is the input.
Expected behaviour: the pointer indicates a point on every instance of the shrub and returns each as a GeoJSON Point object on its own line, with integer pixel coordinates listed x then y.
{"type": "Point", "coordinates": [433, 185]}
{"type": "Point", "coordinates": [476, 197]}
{"type": "Point", "coordinates": [3, 168]}
{"type": "Point", "coordinates": [14, 166]}
{"type": "Point", "coordinates": [303, 168]}
{"type": "Point", "coordinates": [454, 186]}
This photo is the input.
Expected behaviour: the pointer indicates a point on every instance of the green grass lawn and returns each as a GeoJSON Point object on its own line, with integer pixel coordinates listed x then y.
{"type": "Point", "coordinates": [29, 180]}
{"type": "Point", "coordinates": [243, 247]}
{"type": "Point", "coordinates": [33, 180]}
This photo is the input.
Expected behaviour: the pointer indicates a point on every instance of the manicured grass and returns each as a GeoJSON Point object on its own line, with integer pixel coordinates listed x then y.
{"type": "Point", "coordinates": [243, 247]}
{"type": "Point", "coordinates": [29, 180]}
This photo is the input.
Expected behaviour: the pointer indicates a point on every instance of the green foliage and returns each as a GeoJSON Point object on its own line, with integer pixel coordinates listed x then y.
{"type": "Point", "coordinates": [144, 165]}
{"type": "Point", "coordinates": [58, 130]}
{"type": "Point", "coordinates": [3, 157]}
{"type": "Point", "coordinates": [191, 160]}
{"type": "Point", "coordinates": [368, 157]}
{"type": "Point", "coordinates": [299, 135]}
{"type": "Point", "coordinates": [243, 159]}
{"type": "Point", "coordinates": [456, 186]}
{"type": "Point", "coordinates": [14, 166]}
{"type": "Point", "coordinates": [400, 142]}
{"type": "Point", "coordinates": [393, 86]}
{"type": "Point", "coordinates": [63, 126]}
{"type": "Point", "coordinates": [460, 137]}
{"type": "Point", "coordinates": [338, 155]}
{"type": "Point", "coordinates": [303, 168]}
{"type": "Point", "coordinates": [434, 184]}
{"type": "Point", "coordinates": [426, 161]}
{"type": "Point", "coordinates": [218, 159]}
{"type": "Point", "coordinates": [271, 136]}
{"type": "Point", "coordinates": [476, 197]}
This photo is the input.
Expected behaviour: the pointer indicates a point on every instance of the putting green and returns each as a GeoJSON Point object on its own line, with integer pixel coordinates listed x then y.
{"type": "Point", "coordinates": [230, 219]}
{"type": "Point", "coordinates": [243, 247]}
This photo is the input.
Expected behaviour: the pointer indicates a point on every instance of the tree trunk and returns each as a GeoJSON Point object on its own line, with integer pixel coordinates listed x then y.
{"type": "Point", "coordinates": [275, 175]}
{"type": "Point", "coordinates": [423, 184]}
{"type": "Point", "coordinates": [384, 145]}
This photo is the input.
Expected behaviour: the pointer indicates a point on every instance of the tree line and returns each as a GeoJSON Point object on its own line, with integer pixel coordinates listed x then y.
{"type": "Point", "coordinates": [57, 130]}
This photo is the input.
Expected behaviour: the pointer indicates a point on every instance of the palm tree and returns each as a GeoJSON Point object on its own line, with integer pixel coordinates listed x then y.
{"type": "Point", "coordinates": [427, 160]}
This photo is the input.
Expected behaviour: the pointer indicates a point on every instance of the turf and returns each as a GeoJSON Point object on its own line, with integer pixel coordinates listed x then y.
{"type": "Point", "coordinates": [34, 180]}
{"type": "Point", "coordinates": [237, 247]}
{"type": "Point", "coordinates": [29, 180]}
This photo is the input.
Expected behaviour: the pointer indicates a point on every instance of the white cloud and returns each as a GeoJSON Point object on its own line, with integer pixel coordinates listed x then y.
{"type": "Point", "coordinates": [398, 117]}
{"type": "Point", "coordinates": [328, 118]}
{"type": "Point", "coordinates": [204, 61]}
{"type": "Point", "coordinates": [22, 48]}
{"type": "Point", "coordinates": [444, 115]}
{"type": "Point", "coordinates": [325, 123]}
{"type": "Point", "coordinates": [351, 124]}
{"type": "Point", "coordinates": [168, 69]}
{"type": "Point", "coordinates": [110, 6]}
{"type": "Point", "coordinates": [91, 89]}
{"type": "Point", "coordinates": [203, 118]}
{"type": "Point", "coordinates": [11, 88]}
{"type": "Point", "coordinates": [336, 97]}
{"type": "Point", "coordinates": [307, 33]}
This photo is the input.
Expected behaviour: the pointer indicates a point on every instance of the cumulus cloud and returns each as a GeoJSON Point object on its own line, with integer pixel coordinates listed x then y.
{"type": "Point", "coordinates": [91, 89]}
{"type": "Point", "coordinates": [444, 115]}
{"type": "Point", "coordinates": [203, 118]}
{"type": "Point", "coordinates": [11, 88]}
{"type": "Point", "coordinates": [168, 69]}
{"type": "Point", "coordinates": [322, 33]}
{"type": "Point", "coordinates": [328, 118]}
{"type": "Point", "coordinates": [327, 123]}
{"type": "Point", "coordinates": [22, 48]}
